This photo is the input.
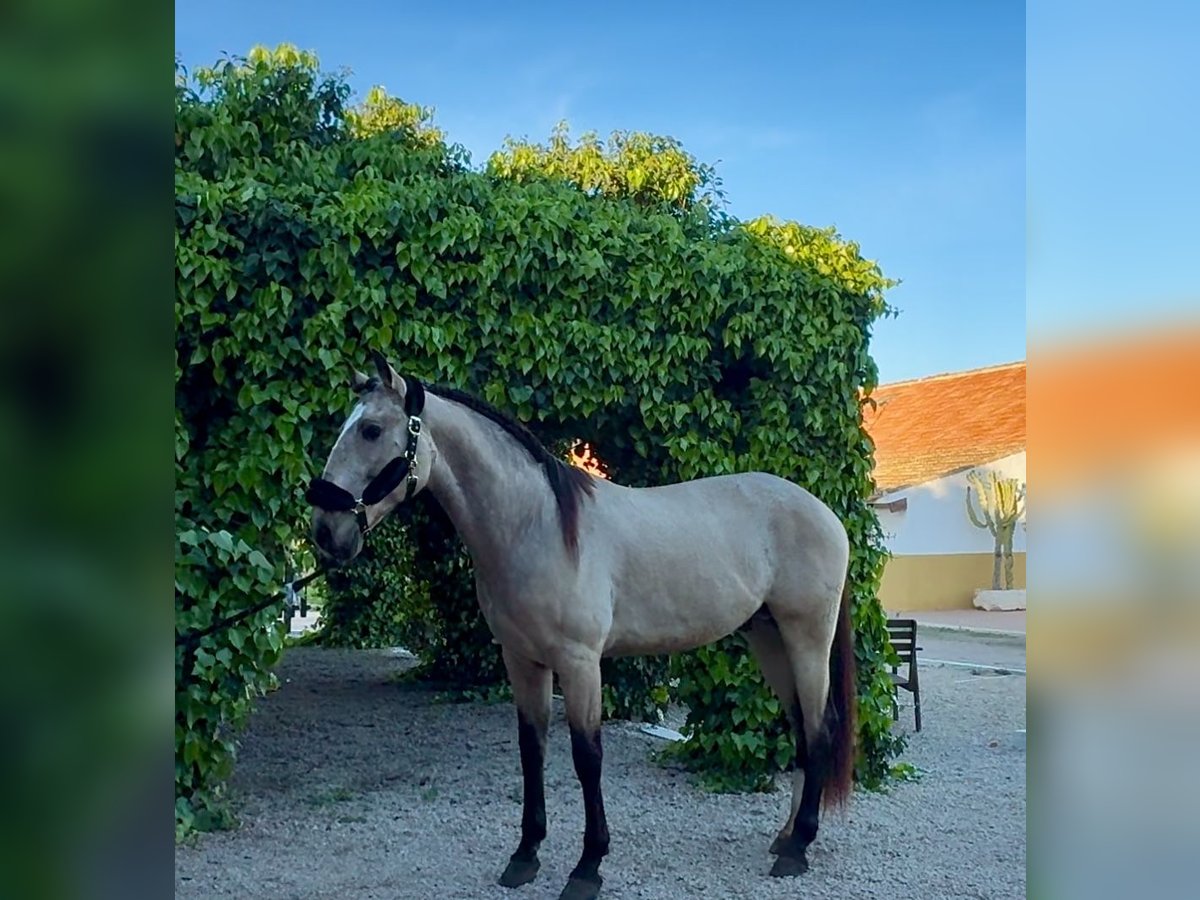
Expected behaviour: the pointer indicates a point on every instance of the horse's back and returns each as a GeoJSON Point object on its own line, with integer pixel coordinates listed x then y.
{"type": "Point", "coordinates": [692, 561]}
{"type": "Point", "coordinates": [751, 500]}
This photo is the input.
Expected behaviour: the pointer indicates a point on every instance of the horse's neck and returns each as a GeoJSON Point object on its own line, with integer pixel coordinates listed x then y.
{"type": "Point", "coordinates": [485, 481]}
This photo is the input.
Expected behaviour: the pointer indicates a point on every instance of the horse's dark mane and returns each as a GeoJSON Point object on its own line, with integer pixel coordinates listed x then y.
{"type": "Point", "coordinates": [569, 483]}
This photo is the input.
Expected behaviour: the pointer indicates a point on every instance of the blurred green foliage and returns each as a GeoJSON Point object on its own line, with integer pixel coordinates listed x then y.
{"type": "Point", "coordinates": [84, 672]}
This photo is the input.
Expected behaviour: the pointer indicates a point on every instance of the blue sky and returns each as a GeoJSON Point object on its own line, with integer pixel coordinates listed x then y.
{"type": "Point", "coordinates": [1114, 178]}
{"type": "Point", "coordinates": [902, 124]}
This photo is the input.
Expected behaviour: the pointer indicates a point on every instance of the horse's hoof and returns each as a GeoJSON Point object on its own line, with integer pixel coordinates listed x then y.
{"type": "Point", "coordinates": [581, 889]}
{"type": "Point", "coordinates": [519, 872]}
{"type": "Point", "coordinates": [790, 865]}
{"type": "Point", "coordinates": [778, 844]}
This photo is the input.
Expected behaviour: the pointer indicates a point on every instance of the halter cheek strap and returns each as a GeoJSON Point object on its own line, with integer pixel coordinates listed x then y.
{"type": "Point", "coordinates": [330, 497]}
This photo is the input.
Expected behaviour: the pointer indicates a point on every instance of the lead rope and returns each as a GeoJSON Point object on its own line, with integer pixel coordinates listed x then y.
{"type": "Point", "coordinates": [192, 638]}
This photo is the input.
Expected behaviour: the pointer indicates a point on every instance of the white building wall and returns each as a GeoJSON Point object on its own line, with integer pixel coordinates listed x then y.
{"type": "Point", "coordinates": [936, 518]}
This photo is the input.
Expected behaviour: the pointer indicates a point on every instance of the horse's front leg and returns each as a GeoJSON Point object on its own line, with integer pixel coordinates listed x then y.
{"type": "Point", "coordinates": [579, 678]}
{"type": "Point", "coordinates": [531, 691]}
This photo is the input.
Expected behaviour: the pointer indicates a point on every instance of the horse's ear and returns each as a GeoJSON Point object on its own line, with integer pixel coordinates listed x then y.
{"type": "Point", "coordinates": [359, 382]}
{"type": "Point", "coordinates": [387, 374]}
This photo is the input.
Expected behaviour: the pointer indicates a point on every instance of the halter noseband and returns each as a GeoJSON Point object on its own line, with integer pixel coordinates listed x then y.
{"type": "Point", "coordinates": [330, 497]}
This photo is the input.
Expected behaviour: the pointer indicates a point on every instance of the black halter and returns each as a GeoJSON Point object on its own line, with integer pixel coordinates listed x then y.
{"type": "Point", "coordinates": [330, 497]}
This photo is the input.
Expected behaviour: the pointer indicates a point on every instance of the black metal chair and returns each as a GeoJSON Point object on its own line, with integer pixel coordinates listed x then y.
{"type": "Point", "coordinates": [902, 634]}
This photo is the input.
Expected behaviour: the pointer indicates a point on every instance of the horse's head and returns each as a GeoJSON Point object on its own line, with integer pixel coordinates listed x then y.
{"type": "Point", "coordinates": [380, 458]}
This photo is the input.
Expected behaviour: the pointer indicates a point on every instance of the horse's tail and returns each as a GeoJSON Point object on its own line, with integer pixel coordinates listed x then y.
{"type": "Point", "coordinates": [841, 708]}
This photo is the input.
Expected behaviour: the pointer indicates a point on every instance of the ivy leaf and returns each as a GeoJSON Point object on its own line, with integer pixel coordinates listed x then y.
{"type": "Point", "coordinates": [222, 539]}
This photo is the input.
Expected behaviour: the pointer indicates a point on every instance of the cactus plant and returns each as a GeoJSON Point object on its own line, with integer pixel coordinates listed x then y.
{"type": "Point", "coordinates": [1001, 503]}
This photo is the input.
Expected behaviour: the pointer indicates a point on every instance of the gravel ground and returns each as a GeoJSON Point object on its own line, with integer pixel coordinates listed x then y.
{"type": "Point", "coordinates": [350, 785]}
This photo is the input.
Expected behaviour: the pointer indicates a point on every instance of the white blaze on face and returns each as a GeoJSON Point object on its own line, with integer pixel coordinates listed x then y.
{"type": "Point", "coordinates": [354, 417]}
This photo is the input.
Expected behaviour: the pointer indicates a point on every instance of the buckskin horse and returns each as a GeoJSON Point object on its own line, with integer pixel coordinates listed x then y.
{"type": "Point", "coordinates": [570, 569]}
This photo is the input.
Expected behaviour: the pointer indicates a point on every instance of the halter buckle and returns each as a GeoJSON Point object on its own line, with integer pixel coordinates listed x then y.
{"type": "Point", "coordinates": [360, 515]}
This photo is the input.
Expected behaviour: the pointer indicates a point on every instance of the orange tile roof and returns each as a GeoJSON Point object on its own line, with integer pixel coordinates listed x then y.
{"type": "Point", "coordinates": [1116, 405]}
{"type": "Point", "coordinates": [930, 427]}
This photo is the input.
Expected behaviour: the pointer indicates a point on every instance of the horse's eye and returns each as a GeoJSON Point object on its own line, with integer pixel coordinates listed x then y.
{"type": "Point", "coordinates": [371, 431]}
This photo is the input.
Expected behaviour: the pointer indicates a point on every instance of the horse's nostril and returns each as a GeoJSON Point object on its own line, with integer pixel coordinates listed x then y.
{"type": "Point", "coordinates": [324, 536]}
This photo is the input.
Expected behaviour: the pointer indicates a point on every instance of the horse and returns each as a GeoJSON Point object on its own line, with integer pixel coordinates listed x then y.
{"type": "Point", "coordinates": [570, 568]}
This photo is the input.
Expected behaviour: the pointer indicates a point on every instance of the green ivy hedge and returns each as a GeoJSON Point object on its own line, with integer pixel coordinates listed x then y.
{"type": "Point", "coordinates": [215, 677]}
{"type": "Point", "coordinates": [376, 602]}
{"type": "Point", "coordinates": [679, 342]}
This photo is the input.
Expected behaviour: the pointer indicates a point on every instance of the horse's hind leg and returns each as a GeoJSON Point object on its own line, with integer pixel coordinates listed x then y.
{"type": "Point", "coordinates": [579, 677]}
{"type": "Point", "coordinates": [766, 644]}
{"type": "Point", "coordinates": [531, 691]}
{"type": "Point", "coordinates": [808, 654]}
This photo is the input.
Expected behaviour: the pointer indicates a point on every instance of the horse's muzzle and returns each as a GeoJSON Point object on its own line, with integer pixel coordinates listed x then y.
{"type": "Point", "coordinates": [337, 537]}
